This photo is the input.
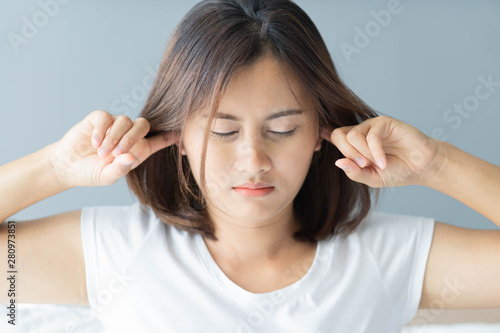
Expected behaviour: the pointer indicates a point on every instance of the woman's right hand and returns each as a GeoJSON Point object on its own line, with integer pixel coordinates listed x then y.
{"type": "Point", "coordinates": [103, 147]}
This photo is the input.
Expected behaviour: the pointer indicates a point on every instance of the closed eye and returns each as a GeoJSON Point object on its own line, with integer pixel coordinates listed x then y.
{"type": "Point", "coordinates": [280, 134]}
{"type": "Point", "coordinates": [288, 133]}
{"type": "Point", "coordinates": [224, 135]}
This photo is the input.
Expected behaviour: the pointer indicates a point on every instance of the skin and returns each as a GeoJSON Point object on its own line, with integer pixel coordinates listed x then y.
{"type": "Point", "coordinates": [255, 247]}
{"type": "Point", "coordinates": [256, 231]}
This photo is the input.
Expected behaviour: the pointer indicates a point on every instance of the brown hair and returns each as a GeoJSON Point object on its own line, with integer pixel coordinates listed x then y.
{"type": "Point", "coordinates": [214, 40]}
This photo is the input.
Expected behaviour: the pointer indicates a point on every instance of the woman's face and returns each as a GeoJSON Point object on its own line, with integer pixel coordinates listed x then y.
{"type": "Point", "coordinates": [260, 144]}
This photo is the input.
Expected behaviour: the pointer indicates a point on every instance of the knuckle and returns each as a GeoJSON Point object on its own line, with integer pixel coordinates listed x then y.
{"type": "Point", "coordinates": [371, 136]}
{"type": "Point", "coordinates": [126, 142]}
{"type": "Point", "coordinates": [141, 120]}
{"type": "Point", "coordinates": [143, 123]}
{"type": "Point", "coordinates": [109, 142]}
{"type": "Point", "coordinates": [101, 114]}
{"type": "Point", "coordinates": [97, 112]}
{"type": "Point", "coordinates": [123, 120]}
{"type": "Point", "coordinates": [353, 134]}
{"type": "Point", "coordinates": [338, 131]}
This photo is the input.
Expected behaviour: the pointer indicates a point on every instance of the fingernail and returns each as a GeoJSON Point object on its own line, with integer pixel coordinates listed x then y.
{"type": "Point", "coordinates": [360, 161]}
{"type": "Point", "coordinates": [103, 152]}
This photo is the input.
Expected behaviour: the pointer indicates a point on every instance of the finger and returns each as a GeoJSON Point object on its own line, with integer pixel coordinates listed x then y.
{"type": "Point", "coordinates": [140, 127]}
{"type": "Point", "coordinates": [357, 174]}
{"type": "Point", "coordinates": [374, 140]}
{"type": "Point", "coordinates": [356, 137]}
{"type": "Point", "coordinates": [151, 145]}
{"type": "Point", "coordinates": [367, 138]}
{"type": "Point", "coordinates": [100, 121]}
{"type": "Point", "coordinates": [326, 133]}
{"type": "Point", "coordinates": [120, 126]}
{"type": "Point", "coordinates": [117, 169]}
{"type": "Point", "coordinates": [339, 139]}
{"type": "Point", "coordinates": [163, 140]}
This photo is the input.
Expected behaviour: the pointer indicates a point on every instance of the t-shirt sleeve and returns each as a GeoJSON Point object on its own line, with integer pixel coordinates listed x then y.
{"type": "Point", "coordinates": [399, 245]}
{"type": "Point", "coordinates": [111, 236]}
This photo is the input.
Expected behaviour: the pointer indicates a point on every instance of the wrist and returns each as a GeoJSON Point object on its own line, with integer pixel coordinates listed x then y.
{"type": "Point", "coordinates": [51, 170]}
{"type": "Point", "coordinates": [28, 180]}
{"type": "Point", "coordinates": [435, 173]}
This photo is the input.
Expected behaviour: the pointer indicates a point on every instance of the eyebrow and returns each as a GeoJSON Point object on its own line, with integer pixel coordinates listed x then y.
{"type": "Point", "coordinates": [279, 114]}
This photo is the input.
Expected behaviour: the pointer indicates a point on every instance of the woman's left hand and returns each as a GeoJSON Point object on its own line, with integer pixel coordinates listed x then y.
{"type": "Point", "coordinates": [385, 152]}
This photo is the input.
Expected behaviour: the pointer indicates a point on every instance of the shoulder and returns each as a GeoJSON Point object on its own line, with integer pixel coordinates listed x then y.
{"type": "Point", "coordinates": [380, 232]}
{"type": "Point", "coordinates": [395, 240]}
{"type": "Point", "coordinates": [113, 212]}
{"type": "Point", "coordinates": [376, 223]}
{"type": "Point", "coordinates": [135, 221]}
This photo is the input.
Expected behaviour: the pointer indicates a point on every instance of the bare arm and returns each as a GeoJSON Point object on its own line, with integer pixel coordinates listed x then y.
{"type": "Point", "coordinates": [26, 181]}
{"type": "Point", "coordinates": [49, 251]}
{"type": "Point", "coordinates": [38, 244]}
{"type": "Point", "coordinates": [469, 179]}
{"type": "Point", "coordinates": [74, 160]}
{"type": "Point", "coordinates": [463, 269]}
{"type": "Point", "coordinates": [48, 260]}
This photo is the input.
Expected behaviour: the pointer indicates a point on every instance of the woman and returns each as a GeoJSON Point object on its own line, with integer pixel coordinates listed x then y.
{"type": "Point", "coordinates": [254, 167]}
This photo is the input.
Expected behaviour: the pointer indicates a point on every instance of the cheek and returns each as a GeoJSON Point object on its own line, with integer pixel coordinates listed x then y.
{"type": "Point", "coordinates": [295, 161]}
{"type": "Point", "coordinates": [292, 156]}
{"type": "Point", "coordinates": [217, 166]}
{"type": "Point", "coordinates": [193, 156]}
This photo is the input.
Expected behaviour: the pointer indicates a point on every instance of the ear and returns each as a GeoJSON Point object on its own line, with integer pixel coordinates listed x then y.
{"type": "Point", "coordinates": [183, 152]}
{"type": "Point", "coordinates": [318, 143]}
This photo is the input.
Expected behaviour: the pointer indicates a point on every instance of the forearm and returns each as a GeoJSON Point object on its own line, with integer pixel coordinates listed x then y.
{"type": "Point", "coordinates": [469, 179]}
{"type": "Point", "coordinates": [26, 181]}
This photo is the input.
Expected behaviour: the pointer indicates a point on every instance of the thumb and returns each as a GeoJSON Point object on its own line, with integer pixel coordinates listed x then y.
{"type": "Point", "coordinates": [120, 166]}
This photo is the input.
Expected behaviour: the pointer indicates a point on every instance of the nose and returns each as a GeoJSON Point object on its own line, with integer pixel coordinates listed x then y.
{"type": "Point", "coordinates": [253, 157]}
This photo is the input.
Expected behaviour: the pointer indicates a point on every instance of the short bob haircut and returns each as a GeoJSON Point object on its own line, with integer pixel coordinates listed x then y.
{"type": "Point", "coordinates": [214, 40]}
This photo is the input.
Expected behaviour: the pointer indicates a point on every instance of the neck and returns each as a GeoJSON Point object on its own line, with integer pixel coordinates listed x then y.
{"type": "Point", "coordinates": [252, 241]}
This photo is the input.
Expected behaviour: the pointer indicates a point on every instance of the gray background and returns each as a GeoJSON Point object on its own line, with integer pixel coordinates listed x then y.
{"type": "Point", "coordinates": [88, 55]}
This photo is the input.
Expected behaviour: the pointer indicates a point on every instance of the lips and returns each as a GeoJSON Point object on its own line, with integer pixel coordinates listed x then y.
{"type": "Point", "coordinates": [253, 190]}
{"type": "Point", "coordinates": [254, 186]}
{"type": "Point", "coordinates": [256, 192]}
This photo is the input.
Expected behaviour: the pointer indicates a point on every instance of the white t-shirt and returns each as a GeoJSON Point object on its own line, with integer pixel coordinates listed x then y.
{"type": "Point", "coordinates": [145, 276]}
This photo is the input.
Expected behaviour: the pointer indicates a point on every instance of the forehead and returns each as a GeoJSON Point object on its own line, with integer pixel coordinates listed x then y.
{"type": "Point", "coordinates": [265, 82]}
{"type": "Point", "coordinates": [265, 91]}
